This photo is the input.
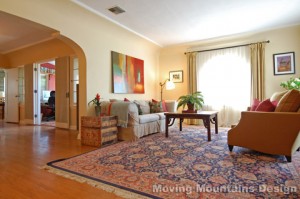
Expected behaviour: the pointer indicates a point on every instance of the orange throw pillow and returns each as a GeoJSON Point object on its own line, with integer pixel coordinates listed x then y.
{"type": "Point", "coordinates": [290, 102]}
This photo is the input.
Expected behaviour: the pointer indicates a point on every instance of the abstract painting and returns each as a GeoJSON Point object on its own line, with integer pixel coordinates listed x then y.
{"type": "Point", "coordinates": [128, 74]}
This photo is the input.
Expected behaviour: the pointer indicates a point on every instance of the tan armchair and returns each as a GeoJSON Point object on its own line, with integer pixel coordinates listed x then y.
{"type": "Point", "coordinates": [275, 133]}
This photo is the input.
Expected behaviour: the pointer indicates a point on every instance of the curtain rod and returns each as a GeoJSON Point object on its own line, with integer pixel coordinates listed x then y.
{"type": "Point", "coordinates": [268, 41]}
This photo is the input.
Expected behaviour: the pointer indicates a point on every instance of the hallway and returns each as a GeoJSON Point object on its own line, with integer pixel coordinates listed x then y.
{"type": "Point", "coordinates": [24, 149]}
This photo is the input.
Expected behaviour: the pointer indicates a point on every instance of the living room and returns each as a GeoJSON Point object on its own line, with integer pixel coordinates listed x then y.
{"type": "Point", "coordinates": [92, 38]}
{"type": "Point", "coordinates": [158, 60]}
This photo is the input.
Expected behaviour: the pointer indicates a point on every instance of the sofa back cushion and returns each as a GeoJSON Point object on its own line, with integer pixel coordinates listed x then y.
{"type": "Point", "coordinates": [171, 105]}
{"type": "Point", "coordinates": [290, 102]}
{"type": "Point", "coordinates": [277, 96]}
{"type": "Point", "coordinates": [144, 105]}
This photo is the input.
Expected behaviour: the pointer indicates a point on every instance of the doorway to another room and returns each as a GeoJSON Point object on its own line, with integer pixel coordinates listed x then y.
{"type": "Point", "coordinates": [47, 93]}
{"type": "Point", "coordinates": [2, 94]}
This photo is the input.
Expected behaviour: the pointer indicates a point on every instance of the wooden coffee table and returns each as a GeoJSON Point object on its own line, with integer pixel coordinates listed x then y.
{"type": "Point", "coordinates": [206, 116]}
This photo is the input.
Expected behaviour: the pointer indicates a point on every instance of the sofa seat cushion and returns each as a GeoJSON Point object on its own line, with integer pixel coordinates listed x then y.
{"type": "Point", "coordinates": [148, 118]}
{"type": "Point", "coordinates": [290, 102]}
{"type": "Point", "coordinates": [161, 115]}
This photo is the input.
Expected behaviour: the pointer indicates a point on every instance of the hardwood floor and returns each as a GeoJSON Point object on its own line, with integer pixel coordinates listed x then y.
{"type": "Point", "coordinates": [23, 149]}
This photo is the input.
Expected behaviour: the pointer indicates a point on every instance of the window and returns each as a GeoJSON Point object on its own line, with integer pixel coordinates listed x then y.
{"type": "Point", "coordinates": [224, 77]}
{"type": "Point", "coordinates": [21, 86]}
{"type": "Point", "coordinates": [2, 86]}
{"type": "Point", "coordinates": [74, 80]}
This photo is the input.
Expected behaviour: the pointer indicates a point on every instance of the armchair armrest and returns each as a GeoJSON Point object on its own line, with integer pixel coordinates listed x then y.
{"type": "Point", "coordinates": [268, 132]}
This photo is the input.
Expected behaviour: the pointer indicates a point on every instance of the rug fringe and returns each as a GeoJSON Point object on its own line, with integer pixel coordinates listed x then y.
{"type": "Point", "coordinates": [117, 191]}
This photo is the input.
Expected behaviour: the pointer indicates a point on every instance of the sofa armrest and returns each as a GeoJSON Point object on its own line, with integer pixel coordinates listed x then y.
{"type": "Point", "coordinates": [268, 132]}
{"type": "Point", "coordinates": [171, 105]}
{"type": "Point", "coordinates": [133, 114]}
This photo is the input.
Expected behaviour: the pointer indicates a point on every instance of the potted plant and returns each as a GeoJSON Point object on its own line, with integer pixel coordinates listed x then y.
{"type": "Point", "coordinates": [292, 83]}
{"type": "Point", "coordinates": [97, 103]}
{"type": "Point", "coordinates": [193, 101]}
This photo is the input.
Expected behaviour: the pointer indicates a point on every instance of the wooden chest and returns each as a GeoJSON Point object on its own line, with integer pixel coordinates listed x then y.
{"type": "Point", "coordinates": [99, 131]}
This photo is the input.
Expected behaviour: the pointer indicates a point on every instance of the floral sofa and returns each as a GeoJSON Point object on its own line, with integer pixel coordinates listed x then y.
{"type": "Point", "coordinates": [138, 118]}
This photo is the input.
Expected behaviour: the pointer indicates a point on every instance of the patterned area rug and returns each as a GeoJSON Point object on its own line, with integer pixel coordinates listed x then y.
{"type": "Point", "coordinates": [184, 165]}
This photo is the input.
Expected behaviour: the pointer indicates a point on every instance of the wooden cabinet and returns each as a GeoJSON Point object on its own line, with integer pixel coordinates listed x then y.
{"type": "Point", "coordinates": [99, 131]}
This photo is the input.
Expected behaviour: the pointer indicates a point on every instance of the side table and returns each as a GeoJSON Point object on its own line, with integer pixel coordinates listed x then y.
{"type": "Point", "coordinates": [99, 130]}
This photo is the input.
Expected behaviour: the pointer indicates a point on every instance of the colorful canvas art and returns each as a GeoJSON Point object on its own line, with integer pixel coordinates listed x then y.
{"type": "Point", "coordinates": [128, 74]}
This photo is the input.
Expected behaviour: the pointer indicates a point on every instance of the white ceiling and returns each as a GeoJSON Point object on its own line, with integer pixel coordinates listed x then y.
{"type": "Point", "coordinates": [169, 22]}
{"type": "Point", "coordinates": [166, 22]}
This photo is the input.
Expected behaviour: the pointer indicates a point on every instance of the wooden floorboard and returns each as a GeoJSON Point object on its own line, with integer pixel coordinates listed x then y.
{"type": "Point", "coordinates": [24, 149]}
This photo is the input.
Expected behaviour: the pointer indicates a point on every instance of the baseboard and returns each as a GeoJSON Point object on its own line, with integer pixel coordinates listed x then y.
{"type": "Point", "coordinates": [61, 125]}
{"type": "Point", "coordinates": [22, 122]}
{"type": "Point", "coordinates": [28, 121]}
{"type": "Point", "coordinates": [73, 127]}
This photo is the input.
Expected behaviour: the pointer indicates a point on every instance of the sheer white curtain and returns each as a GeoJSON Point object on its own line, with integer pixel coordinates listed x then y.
{"type": "Point", "coordinates": [224, 78]}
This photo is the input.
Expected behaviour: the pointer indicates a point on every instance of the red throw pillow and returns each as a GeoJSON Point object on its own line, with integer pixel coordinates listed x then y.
{"type": "Point", "coordinates": [126, 100]}
{"type": "Point", "coordinates": [154, 101]}
{"type": "Point", "coordinates": [275, 103]}
{"type": "Point", "coordinates": [164, 106]}
{"type": "Point", "coordinates": [266, 106]}
{"type": "Point", "coordinates": [254, 104]}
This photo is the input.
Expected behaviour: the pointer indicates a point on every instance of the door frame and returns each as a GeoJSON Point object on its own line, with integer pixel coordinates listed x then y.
{"type": "Point", "coordinates": [37, 87]}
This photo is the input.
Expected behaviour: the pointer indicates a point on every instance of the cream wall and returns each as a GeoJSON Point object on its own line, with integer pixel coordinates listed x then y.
{"type": "Point", "coordinates": [97, 37]}
{"type": "Point", "coordinates": [281, 41]}
{"type": "Point", "coordinates": [173, 59]}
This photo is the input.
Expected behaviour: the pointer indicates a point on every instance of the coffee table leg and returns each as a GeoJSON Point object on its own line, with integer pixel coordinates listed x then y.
{"type": "Point", "coordinates": [207, 125]}
{"type": "Point", "coordinates": [216, 123]}
{"type": "Point", "coordinates": [167, 126]}
{"type": "Point", "coordinates": [180, 124]}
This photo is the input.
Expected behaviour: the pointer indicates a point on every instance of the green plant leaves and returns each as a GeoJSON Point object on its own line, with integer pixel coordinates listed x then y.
{"type": "Point", "coordinates": [292, 83]}
{"type": "Point", "coordinates": [195, 98]}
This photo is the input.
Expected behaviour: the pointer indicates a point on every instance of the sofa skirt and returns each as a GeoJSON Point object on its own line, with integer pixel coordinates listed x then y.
{"type": "Point", "coordinates": [133, 133]}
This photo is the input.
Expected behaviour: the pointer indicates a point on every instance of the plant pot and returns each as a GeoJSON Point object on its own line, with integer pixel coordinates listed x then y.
{"type": "Point", "coordinates": [190, 107]}
{"type": "Point", "coordinates": [98, 110]}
